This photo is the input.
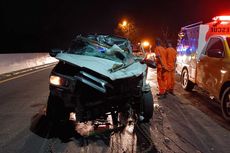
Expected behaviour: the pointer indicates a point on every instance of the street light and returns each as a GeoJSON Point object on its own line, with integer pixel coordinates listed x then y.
{"type": "Point", "coordinates": [125, 28]}
{"type": "Point", "coordinates": [145, 44]}
{"type": "Point", "coordinates": [124, 23]}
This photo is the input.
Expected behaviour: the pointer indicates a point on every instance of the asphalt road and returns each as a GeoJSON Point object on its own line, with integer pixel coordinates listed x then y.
{"type": "Point", "coordinates": [189, 122]}
{"type": "Point", "coordinates": [20, 101]}
{"type": "Point", "coordinates": [181, 123]}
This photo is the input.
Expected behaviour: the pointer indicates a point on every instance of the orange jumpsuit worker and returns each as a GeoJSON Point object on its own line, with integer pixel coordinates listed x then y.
{"type": "Point", "coordinates": [161, 56]}
{"type": "Point", "coordinates": [171, 59]}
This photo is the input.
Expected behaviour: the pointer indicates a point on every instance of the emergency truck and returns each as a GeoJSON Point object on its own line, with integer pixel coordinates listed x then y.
{"type": "Point", "coordinates": [203, 59]}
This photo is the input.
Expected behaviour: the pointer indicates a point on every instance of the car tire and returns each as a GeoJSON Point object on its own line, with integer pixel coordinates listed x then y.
{"type": "Point", "coordinates": [185, 82]}
{"type": "Point", "coordinates": [147, 106]}
{"type": "Point", "coordinates": [55, 111]}
{"type": "Point", "coordinates": [225, 104]}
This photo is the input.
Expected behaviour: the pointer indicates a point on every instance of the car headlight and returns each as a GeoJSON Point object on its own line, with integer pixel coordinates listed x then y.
{"type": "Point", "coordinates": [58, 81]}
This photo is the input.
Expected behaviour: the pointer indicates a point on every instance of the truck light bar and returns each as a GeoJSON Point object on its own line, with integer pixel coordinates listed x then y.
{"type": "Point", "coordinates": [221, 18]}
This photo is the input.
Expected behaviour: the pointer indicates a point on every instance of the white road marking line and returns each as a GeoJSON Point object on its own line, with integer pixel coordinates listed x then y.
{"type": "Point", "coordinates": [19, 76]}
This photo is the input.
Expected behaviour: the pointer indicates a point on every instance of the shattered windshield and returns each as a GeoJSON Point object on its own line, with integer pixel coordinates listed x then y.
{"type": "Point", "coordinates": [104, 47]}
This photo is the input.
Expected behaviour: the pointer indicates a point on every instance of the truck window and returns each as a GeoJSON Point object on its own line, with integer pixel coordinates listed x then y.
{"type": "Point", "coordinates": [215, 48]}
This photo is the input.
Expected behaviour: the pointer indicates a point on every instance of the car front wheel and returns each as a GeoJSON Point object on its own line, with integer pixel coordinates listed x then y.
{"type": "Point", "coordinates": [147, 106]}
{"type": "Point", "coordinates": [225, 104]}
{"type": "Point", "coordinates": [55, 111]}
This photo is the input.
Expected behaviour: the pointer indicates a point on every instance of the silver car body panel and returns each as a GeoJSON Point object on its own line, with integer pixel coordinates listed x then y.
{"type": "Point", "coordinates": [103, 66]}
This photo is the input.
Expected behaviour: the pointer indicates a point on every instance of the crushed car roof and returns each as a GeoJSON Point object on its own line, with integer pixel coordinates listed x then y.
{"type": "Point", "coordinates": [108, 55]}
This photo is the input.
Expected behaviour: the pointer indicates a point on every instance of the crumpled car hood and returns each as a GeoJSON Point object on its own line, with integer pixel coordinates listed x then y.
{"type": "Point", "coordinates": [102, 66]}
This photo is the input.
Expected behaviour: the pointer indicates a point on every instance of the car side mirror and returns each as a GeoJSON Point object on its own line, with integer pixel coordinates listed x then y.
{"type": "Point", "coordinates": [217, 53]}
{"type": "Point", "coordinates": [54, 52]}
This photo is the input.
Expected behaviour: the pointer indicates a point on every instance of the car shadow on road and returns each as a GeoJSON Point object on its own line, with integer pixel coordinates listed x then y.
{"type": "Point", "coordinates": [42, 127]}
{"type": "Point", "coordinates": [65, 131]}
{"type": "Point", "coordinates": [144, 138]}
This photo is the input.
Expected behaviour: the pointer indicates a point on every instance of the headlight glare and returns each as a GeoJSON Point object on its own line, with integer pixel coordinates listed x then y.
{"type": "Point", "coordinates": [55, 80]}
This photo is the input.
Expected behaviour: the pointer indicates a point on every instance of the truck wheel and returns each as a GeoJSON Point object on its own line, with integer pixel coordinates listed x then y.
{"type": "Point", "coordinates": [55, 111]}
{"type": "Point", "coordinates": [225, 104]}
{"type": "Point", "coordinates": [147, 106]}
{"type": "Point", "coordinates": [185, 82]}
{"type": "Point", "coordinates": [115, 118]}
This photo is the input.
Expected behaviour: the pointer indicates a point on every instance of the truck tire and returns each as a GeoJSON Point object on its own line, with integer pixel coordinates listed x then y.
{"type": "Point", "coordinates": [185, 82]}
{"type": "Point", "coordinates": [147, 106]}
{"type": "Point", "coordinates": [115, 118]}
{"type": "Point", "coordinates": [55, 111]}
{"type": "Point", "coordinates": [225, 104]}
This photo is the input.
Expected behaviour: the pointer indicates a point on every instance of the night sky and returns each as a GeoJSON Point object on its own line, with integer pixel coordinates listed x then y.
{"type": "Point", "coordinates": [40, 25]}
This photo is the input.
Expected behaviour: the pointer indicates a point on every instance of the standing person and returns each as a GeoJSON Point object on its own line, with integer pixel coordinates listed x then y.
{"type": "Point", "coordinates": [171, 60]}
{"type": "Point", "coordinates": [161, 56]}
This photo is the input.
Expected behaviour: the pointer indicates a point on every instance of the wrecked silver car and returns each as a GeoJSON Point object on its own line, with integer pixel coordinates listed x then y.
{"type": "Point", "coordinates": [96, 77]}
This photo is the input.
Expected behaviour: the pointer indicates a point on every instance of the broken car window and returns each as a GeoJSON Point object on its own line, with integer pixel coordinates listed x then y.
{"type": "Point", "coordinates": [103, 47]}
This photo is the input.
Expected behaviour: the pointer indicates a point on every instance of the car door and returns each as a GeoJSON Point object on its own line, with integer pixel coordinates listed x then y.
{"type": "Point", "coordinates": [210, 64]}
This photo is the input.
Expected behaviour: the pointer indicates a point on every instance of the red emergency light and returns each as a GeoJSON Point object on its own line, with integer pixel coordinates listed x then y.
{"type": "Point", "coordinates": [221, 18]}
